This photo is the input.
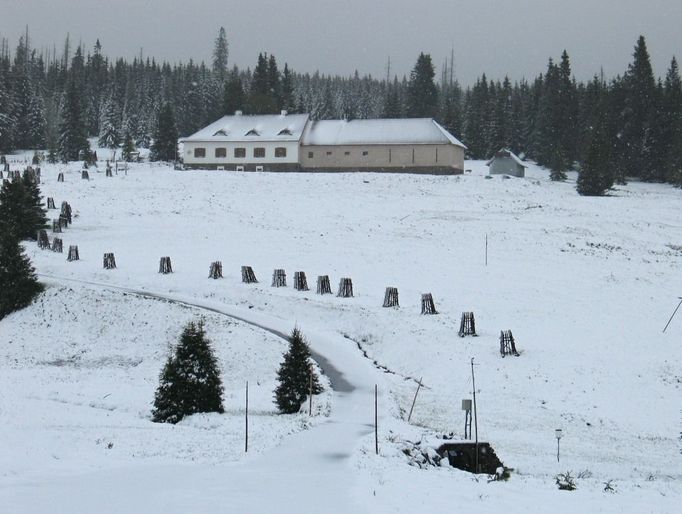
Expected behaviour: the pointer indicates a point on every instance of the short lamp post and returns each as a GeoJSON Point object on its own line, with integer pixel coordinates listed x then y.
{"type": "Point", "coordinates": [558, 434]}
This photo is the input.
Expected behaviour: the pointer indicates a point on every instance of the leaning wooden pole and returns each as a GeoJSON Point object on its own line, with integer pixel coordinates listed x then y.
{"type": "Point", "coordinates": [376, 420]}
{"type": "Point", "coordinates": [414, 400]}
{"type": "Point", "coordinates": [310, 393]}
{"type": "Point", "coordinates": [671, 317]}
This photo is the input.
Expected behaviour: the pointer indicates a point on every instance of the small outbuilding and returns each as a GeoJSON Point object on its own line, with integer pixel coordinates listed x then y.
{"type": "Point", "coordinates": [505, 162]}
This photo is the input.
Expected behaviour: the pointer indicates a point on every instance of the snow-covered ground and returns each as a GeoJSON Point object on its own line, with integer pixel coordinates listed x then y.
{"type": "Point", "coordinates": [585, 284]}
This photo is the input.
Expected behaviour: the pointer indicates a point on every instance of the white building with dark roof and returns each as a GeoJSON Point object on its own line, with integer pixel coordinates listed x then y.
{"type": "Point", "coordinates": [288, 142]}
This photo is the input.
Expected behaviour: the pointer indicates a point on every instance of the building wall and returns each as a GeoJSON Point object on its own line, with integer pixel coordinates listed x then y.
{"type": "Point", "coordinates": [230, 162]}
{"type": "Point", "coordinates": [439, 157]}
{"type": "Point", "coordinates": [506, 166]}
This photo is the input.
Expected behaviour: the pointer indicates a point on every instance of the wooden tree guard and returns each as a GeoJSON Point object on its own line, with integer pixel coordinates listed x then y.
{"type": "Point", "coordinates": [109, 261]}
{"type": "Point", "coordinates": [165, 265]}
{"type": "Point", "coordinates": [391, 297]}
{"type": "Point", "coordinates": [43, 240]}
{"type": "Point", "coordinates": [66, 211]}
{"type": "Point", "coordinates": [63, 222]}
{"type": "Point", "coordinates": [428, 307]}
{"type": "Point", "coordinates": [60, 177]}
{"type": "Point", "coordinates": [345, 288]}
{"type": "Point", "coordinates": [50, 203]}
{"type": "Point", "coordinates": [467, 326]}
{"type": "Point", "coordinates": [300, 281]}
{"type": "Point", "coordinates": [73, 254]}
{"type": "Point", "coordinates": [85, 175]}
{"type": "Point", "coordinates": [279, 278]}
{"type": "Point", "coordinates": [507, 344]}
{"type": "Point", "coordinates": [56, 226]}
{"type": "Point", "coordinates": [108, 172]}
{"type": "Point", "coordinates": [215, 270]}
{"type": "Point", "coordinates": [323, 285]}
{"type": "Point", "coordinates": [248, 276]}
{"type": "Point", "coordinates": [57, 245]}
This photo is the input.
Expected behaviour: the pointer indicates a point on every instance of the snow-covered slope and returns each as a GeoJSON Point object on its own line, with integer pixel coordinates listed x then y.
{"type": "Point", "coordinates": [585, 284]}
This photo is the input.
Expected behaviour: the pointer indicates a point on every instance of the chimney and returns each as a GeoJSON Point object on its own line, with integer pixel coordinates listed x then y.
{"type": "Point", "coordinates": [237, 113]}
{"type": "Point", "coordinates": [283, 113]}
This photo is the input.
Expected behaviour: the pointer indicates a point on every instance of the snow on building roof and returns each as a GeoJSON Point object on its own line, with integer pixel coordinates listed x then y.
{"type": "Point", "coordinates": [504, 152]}
{"type": "Point", "coordinates": [262, 127]}
{"type": "Point", "coordinates": [377, 132]}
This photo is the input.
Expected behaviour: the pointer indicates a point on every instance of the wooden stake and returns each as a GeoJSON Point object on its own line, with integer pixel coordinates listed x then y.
{"type": "Point", "coordinates": [376, 420]}
{"type": "Point", "coordinates": [486, 249]}
{"type": "Point", "coordinates": [310, 393]}
{"type": "Point", "coordinates": [473, 383]}
{"type": "Point", "coordinates": [414, 400]}
{"type": "Point", "coordinates": [246, 420]}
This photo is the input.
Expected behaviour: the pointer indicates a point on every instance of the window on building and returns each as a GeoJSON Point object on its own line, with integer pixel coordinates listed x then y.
{"type": "Point", "coordinates": [259, 152]}
{"type": "Point", "coordinates": [346, 153]}
{"type": "Point", "coordinates": [365, 152]}
{"type": "Point", "coordinates": [329, 152]}
{"type": "Point", "coordinates": [280, 151]}
{"type": "Point", "coordinates": [221, 132]}
{"type": "Point", "coordinates": [310, 155]}
{"type": "Point", "coordinates": [200, 152]}
{"type": "Point", "coordinates": [240, 152]}
{"type": "Point", "coordinates": [284, 132]}
{"type": "Point", "coordinates": [252, 132]}
{"type": "Point", "coordinates": [221, 152]}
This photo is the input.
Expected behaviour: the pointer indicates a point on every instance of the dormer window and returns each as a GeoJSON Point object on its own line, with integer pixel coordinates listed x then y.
{"type": "Point", "coordinates": [252, 132]}
{"type": "Point", "coordinates": [284, 132]}
{"type": "Point", "coordinates": [221, 132]}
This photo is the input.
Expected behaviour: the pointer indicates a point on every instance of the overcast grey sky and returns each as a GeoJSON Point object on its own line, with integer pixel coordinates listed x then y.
{"type": "Point", "coordinates": [498, 37]}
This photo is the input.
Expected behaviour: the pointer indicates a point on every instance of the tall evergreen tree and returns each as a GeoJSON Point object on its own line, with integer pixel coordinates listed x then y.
{"type": "Point", "coordinates": [72, 132]}
{"type": "Point", "coordinates": [220, 55]}
{"type": "Point", "coordinates": [190, 381]}
{"type": "Point", "coordinates": [18, 282]}
{"type": "Point", "coordinates": [128, 147]}
{"type": "Point", "coordinates": [596, 173]}
{"type": "Point", "coordinates": [392, 104]}
{"type": "Point", "coordinates": [294, 376]}
{"type": "Point", "coordinates": [637, 114]}
{"type": "Point", "coordinates": [108, 135]}
{"type": "Point", "coordinates": [21, 207]}
{"type": "Point", "coordinates": [422, 100]}
{"type": "Point", "coordinates": [165, 145]}
{"type": "Point", "coordinates": [671, 142]}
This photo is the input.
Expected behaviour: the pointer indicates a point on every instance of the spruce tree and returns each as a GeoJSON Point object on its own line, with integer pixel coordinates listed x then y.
{"type": "Point", "coordinates": [596, 175]}
{"type": "Point", "coordinates": [422, 93]}
{"type": "Point", "coordinates": [294, 376]}
{"type": "Point", "coordinates": [128, 147]}
{"type": "Point", "coordinates": [35, 215]}
{"type": "Point", "coordinates": [220, 55]}
{"type": "Point", "coordinates": [233, 95]}
{"type": "Point", "coordinates": [165, 145]}
{"type": "Point", "coordinates": [108, 131]}
{"type": "Point", "coordinates": [18, 283]}
{"type": "Point", "coordinates": [190, 381]}
{"type": "Point", "coordinates": [72, 131]}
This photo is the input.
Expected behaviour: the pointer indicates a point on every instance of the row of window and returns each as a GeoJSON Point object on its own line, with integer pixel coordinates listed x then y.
{"type": "Point", "coordinates": [240, 153]}
{"type": "Point", "coordinates": [329, 152]}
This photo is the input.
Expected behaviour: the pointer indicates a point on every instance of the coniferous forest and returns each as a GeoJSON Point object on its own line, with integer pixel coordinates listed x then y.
{"type": "Point", "coordinates": [629, 126]}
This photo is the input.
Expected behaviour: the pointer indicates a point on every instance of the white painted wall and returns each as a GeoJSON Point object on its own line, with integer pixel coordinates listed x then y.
{"type": "Point", "coordinates": [210, 159]}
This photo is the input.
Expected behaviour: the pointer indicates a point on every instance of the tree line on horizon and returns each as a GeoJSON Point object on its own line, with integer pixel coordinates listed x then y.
{"type": "Point", "coordinates": [628, 126]}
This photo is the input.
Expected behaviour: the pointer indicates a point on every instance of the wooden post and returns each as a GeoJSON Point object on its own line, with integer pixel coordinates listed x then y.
{"type": "Point", "coordinates": [428, 306]}
{"type": "Point", "coordinates": [248, 276]}
{"type": "Point", "coordinates": [85, 175]}
{"type": "Point", "coordinates": [345, 288]}
{"type": "Point", "coordinates": [165, 266]}
{"type": "Point", "coordinates": [50, 203]}
{"type": "Point", "coordinates": [391, 297]}
{"type": "Point", "coordinates": [43, 240]}
{"type": "Point", "coordinates": [246, 420]}
{"type": "Point", "coordinates": [300, 281]}
{"type": "Point", "coordinates": [73, 254]}
{"type": "Point", "coordinates": [486, 249]}
{"type": "Point", "coordinates": [215, 271]}
{"type": "Point", "coordinates": [310, 393]}
{"type": "Point", "coordinates": [414, 400]}
{"type": "Point", "coordinates": [109, 261]}
{"type": "Point", "coordinates": [60, 177]}
{"type": "Point", "coordinates": [279, 278]}
{"type": "Point", "coordinates": [57, 245]}
{"type": "Point", "coordinates": [473, 383]}
{"type": "Point", "coordinates": [323, 285]}
{"type": "Point", "coordinates": [376, 420]}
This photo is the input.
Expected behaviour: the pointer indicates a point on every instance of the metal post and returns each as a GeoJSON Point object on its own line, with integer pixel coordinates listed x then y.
{"type": "Point", "coordinates": [376, 418]}
{"type": "Point", "coordinates": [419, 384]}
{"type": "Point", "coordinates": [671, 317]}
{"type": "Point", "coordinates": [246, 420]}
{"type": "Point", "coordinates": [557, 449]}
{"type": "Point", "coordinates": [486, 249]}
{"type": "Point", "coordinates": [473, 383]}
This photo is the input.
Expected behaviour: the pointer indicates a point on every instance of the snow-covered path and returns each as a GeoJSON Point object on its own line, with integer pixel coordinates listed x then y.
{"type": "Point", "coordinates": [311, 470]}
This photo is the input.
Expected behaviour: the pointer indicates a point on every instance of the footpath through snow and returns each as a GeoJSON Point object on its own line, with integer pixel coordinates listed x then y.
{"type": "Point", "coordinates": [311, 471]}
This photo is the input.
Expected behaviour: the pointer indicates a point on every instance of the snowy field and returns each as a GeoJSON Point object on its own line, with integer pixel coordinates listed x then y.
{"type": "Point", "coordinates": [585, 284]}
